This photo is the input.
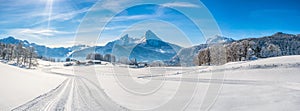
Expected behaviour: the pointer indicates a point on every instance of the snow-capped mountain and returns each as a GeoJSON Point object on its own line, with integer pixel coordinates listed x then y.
{"type": "Point", "coordinates": [76, 48]}
{"type": "Point", "coordinates": [148, 48]}
{"type": "Point", "coordinates": [107, 49]}
{"type": "Point", "coordinates": [153, 48]}
{"type": "Point", "coordinates": [126, 40]}
{"type": "Point", "coordinates": [44, 51]}
{"type": "Point", "coordinates": [186, 56]}
{"type": "Point", "coordinates": [219, 40]}
{"type": "Point", "coordinates": [12, 40]}
{"type": "Point", "coordinates": [149, 35]}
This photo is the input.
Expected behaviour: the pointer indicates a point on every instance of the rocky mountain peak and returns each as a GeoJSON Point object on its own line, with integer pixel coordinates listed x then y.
{"type": "Point", "coordinates": [125, 37]}
{"type": "Point", "coordinates": [149, 35]}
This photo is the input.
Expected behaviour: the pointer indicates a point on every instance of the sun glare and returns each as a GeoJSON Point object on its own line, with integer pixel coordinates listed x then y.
{"type": "Point", "coordinates": [48, 10]}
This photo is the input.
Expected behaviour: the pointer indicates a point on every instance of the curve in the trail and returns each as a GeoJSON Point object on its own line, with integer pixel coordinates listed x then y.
{"type": "Point", "coordinates": [76, 93]}
{"type": "Point", "coordinates": [46, 101]}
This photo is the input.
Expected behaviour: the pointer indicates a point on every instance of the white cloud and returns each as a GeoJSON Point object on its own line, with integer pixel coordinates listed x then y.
{"type": "Point", "coordinates": [133, 17]}
{"type": "Point", "coordinates": [181, 4]}
{"type": "Point", "coordinates": [27, 20]}
{"type": "Point", "coordinates": [69, 15]}
{"type": "Point", "coordinates": [68, 42]}
{"type": "Point", "coordinates": [36, 33]}
{"type": "Point", "coordinates": [20, 3]}
{"type": "Point", "coordinates": [61, 16]}
{"type": "Point", "coordinates": [116, 27]}
{"type": "Point", "coordinates": [48, 37]}
{"type": "Point", "coordinates": [113, 5]}
{"type": "Point", "coordinates": [159, 12]}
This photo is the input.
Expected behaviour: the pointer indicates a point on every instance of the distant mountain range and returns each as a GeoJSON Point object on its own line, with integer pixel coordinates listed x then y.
{"type": "Point", "coordinates": [44, 50]}
{"type": "Point", "coordinates": [148, 48]}
{"type": "Point", "coordinates": [151, 48]}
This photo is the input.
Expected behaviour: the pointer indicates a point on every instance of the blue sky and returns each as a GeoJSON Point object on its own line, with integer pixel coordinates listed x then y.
{"type": "Point", "coordinates": [55, 22]}
{"type": "Point", "coordinates": [247, 18]}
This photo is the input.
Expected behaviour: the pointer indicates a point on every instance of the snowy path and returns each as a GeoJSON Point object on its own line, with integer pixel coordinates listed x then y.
{"type": "Point", "coordinates": [75, 94]}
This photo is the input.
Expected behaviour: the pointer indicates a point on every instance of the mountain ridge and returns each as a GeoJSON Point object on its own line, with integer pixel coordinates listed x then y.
{"type": "Point", "coordinates": [148, 48]}
{"type": "Point", "coordinates": [219, 40]}
{"type": "Point", "coordinates": [42, 50]}
{"type": "Point", "coordinates": [153, 44]}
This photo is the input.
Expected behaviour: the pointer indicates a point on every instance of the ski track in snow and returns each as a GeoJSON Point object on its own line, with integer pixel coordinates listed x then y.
{"type": "Point", "coordinates": [74, 94]}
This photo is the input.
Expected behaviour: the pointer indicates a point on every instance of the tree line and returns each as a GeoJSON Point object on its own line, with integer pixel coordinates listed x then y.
{"type": "Point", "coordinates": [279, 44]}
{"type": "Point", "coordinates": [18, 54]}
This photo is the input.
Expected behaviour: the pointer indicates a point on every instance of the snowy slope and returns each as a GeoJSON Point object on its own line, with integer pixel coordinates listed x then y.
{"type": "Point", "coordinates": [270, 84]}
{"type": "Point", "coordinates": [19, 86]}
{"type": "Point", "coordinates": [272, 88]}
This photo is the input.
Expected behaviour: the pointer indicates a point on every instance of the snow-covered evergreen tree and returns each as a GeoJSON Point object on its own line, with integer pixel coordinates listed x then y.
{"type": "Point", "coordinates": [270, 51]}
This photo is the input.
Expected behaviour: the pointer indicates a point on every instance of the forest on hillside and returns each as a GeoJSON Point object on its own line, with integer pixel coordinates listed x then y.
{"type": "Point", "coordinates": [279, 44]}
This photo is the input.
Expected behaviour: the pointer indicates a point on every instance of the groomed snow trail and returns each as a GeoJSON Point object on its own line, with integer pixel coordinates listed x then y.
{"type": "Point", "coordinates": [76, 93]}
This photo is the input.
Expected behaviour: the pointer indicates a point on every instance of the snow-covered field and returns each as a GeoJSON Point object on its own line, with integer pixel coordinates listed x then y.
{"type": "Point", "coordinates": [265, 84]}
{"type": "Point", "coordinates": [271, 84]}
{"type": "Point", "coordinates": [18, 86]}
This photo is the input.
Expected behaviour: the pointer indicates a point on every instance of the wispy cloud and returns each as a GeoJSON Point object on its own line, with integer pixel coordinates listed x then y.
{"type": "Point", "coordinates": [48, 37]}
{"type": "Point", "coordinates": [62, 16]}
{"type": "Point", "coordinates": [112, 5]}
{"type": "Point", "coordinates": [158, 13]}
{"type": "Point", "coordinates": [133, 17]}
{"type": "Point", "coordinates": [28, 20]}
{"type": "Point", "coordinates": [181, 4]}
{"type": "Point", "coordinates": [116, 27]}
{"type": "Point", "coordinates": [36, 33]}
